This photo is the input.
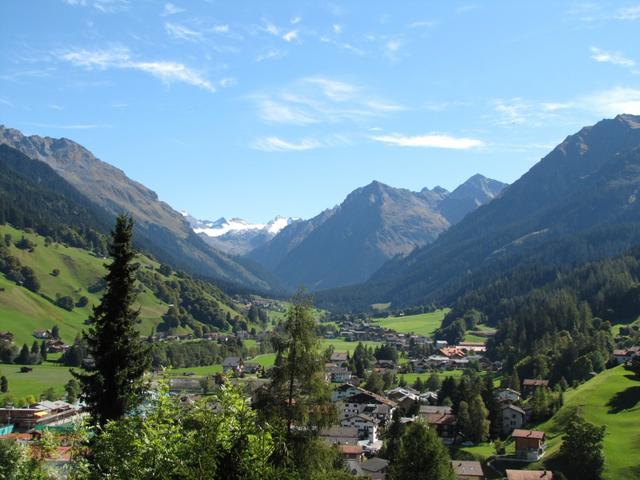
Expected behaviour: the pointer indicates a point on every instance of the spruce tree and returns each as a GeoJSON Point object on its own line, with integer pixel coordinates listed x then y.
{"type": "Point", "coordinates": [112, 384]}
{"type": "Point", "coordinates": [43, 350]}
{"type": "Point", "coordinates": [4, 384]}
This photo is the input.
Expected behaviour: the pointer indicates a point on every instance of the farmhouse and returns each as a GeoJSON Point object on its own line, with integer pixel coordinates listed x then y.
{"type": "Point", "coordinates": [233, 364]}
{"type": "Point", "coordinates": [467, 470]}
{"type": "Point", "coordinates": [339, 357]}
{"type": "Point", "coordinates": [626, 354]}
{"type": "Point", "coordinates": [477, 347]}
{"type": "Point", "coordinates": [507, 395]}
{"type": "Point", "coordinates": [530, 444]}
{"type": "Point", "coordinates": [366, 425]}
{"type": "Point", "coordinates": [529, 386]}
{"type": "Point", "coordinates": [513, 417]}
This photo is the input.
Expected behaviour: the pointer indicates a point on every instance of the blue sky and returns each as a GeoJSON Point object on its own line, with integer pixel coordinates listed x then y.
{"type": "Point", "coordinates": [258, 108]}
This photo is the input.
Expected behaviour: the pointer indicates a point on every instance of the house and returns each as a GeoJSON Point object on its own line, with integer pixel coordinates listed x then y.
{"type": "Point", "coordinates": [442, 419]}
{"type": "Point", "coordinates": [467, 470]}
{"type": "Point", "coordinates": [42, 334]}
{"type": "Point", "coordinates": [252, 367]}
{"type": "Point", "coordinates": [477, 347]}
{"type": "Point", "coordinates": [352, 452]}
{"type": "Point", "coordinates": [530, 444]}
{"type": "Point", "coordinates": [375, 468]}
{"type": "Point", "coordinates": [339, 357]}
{"type": "Point", "coordinates": [513, 417]}
{"type": "Point", "coordinates": [451, 352]}
{"type": "Point", "coordinates": [338, 374]}
{"type": "Point", "coordinates": [529, 386]}
{"type": "Point", "coordinates": [366, 425]}
{"type": "Point", "coordinates": [338, 435]}
{"type": "Point", "coordinates": [440, 343]}
{"type": "Point", "coordinates": [343, 391]}
{"type": "Point", "coordinates": [529, 475]}
{"type": "Point", "coordinates": [233, 364]}
{"type": "Point", "coordinates": [56, 346]}
{"type": "Point", "coordinates": [506, 395]}
{"type": "Point", "coordinates": [626, 354]}
{"type": "Point", "coordinates": [370, 403]}
{"type": "Point", "coordinates": [42, 413]}
{"type": "Point", "coordinates": [404, 397]}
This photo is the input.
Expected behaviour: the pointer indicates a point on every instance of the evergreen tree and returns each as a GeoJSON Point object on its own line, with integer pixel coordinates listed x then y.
{"type": "Point", "coordinates": [43, 350]}
{"type": "Point", "coordinates": [55, 332]}
{"type": "Point", "coordinates": [479, 419]}
{"type": "Point", "coordinates": [421, 456]}
{"type": "Point", "coordinates": [4, 384]}
{"type": "Point", "coordinates": [433, 383]}
{"type": "Point", "coordinates": [581, 449]}
{"type": "Point", "coordinates": [464, 420]}
{"type": "Point", "coordinates": [24, 358]}
{"type": "Point", "coordinates": [112, 385]}
{"type": "Point", "coordinates": [392, 437]}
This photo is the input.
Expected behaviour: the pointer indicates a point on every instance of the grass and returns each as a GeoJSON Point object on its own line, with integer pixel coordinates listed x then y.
{"type": "Point", "coordinates": [412, 377]}
{"type": "Point", "coordinates": [201, 371]}
{"type": "Point", "coordinates": [424, 324]}
{"type": "Point", "coordinates": [37, 381]}
{"type": "Point", "coordinates": [469, 337]}
{"type": "Point", "coordinates": [612, 399]}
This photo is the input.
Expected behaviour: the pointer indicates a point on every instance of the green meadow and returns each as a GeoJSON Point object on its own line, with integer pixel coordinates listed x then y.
{"type": "Point", "coordinates": [423, 324]}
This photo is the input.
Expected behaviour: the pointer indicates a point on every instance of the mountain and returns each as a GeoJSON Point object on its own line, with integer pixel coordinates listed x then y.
{"type": "Point", "coordinates": [578, 204]}
{"type": "Point", "coordinates": [237, 236]}
{"type": "Point", "coordinates": [160, 229]}
{"type": "Point", "coordinates": [377, 222]}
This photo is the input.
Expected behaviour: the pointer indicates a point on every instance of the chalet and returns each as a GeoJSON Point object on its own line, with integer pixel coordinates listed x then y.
{"type": "Point", "coordinates": [451, 352]}
{"type": "Point", "coordinates": [529, 386]}
{"type": "Point", "coordinates": [442, 419]}
{"type": "Point", "coordinates": [339, 435]}
{"type": "Point", "coordinates": [232, 364]}
{"type": "Point", "coordinates": [477, 347]}
{"type": "Point", "coordinates": [369, 403]}
{"type": "Point", "coordinates": [440, 343]}
{"type": "Point", "coordinates": [530, 444]}
{"type": "Point", "coordinates": [506, 395]}
{"type": "Point", "coordinates": [352, 452]}
{"type": "Point", "coordinates": [345, 390]}
{"type": "Point", "coordinates": [438, 362]}
{"type": "Point", "coordinates": [366, 425]}
{"type": "Point", "coordinates": [42, 334]}
{"type": "Point", "coordinates": [419, 365]}
{"type": "Point", "coordinates": [513, 417]}
{"type": "Point", "coordinates": [252, 367]}
{"type": "Point", "coordinates": [56, 346]}
{"type": "Point", "coordinates": [338, 374]}
{"type": "Point", "coordinates": [626, 354]}
{"type": "Point", "coordinates": [339, 357]}
{"type": "Point", "coordinates": [430, 398]}
{"type": "Point", "coordinates": [375, 468]}
{"type": "Point", "coordinates": [400, 394]}
{"type": "Point", "coordinates": [467, 470]}
{"type": "Point", "coordinates": [529, 475]}
{"type": "Point", "coordinates": [385, 365]}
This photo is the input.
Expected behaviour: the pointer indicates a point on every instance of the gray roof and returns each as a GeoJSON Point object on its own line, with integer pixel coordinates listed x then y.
{"type": "Point", "coordinates": [375, 464]}
{"type": "Point", "coordinates": [467, 467]}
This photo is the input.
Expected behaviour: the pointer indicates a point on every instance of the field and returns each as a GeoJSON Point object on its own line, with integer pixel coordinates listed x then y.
{"type": "Point", "coordinates": [613, 399]}
{"type": "Point", "coordinates": [37, 381]}
{"type": "Point", "coordinates": [423, 324]}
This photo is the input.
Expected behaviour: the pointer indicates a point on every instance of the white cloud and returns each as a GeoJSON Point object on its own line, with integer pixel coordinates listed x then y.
{"type": "Point", "coordinates": [78, 126]}
{"type": "Point", "coordinates": [227, 82]}
{"type": "Point", "coordinates": [119, 57]}
{"type": "Point", "coordinates": [321, 99]}
{"type": "Point", "coordinates": [616, 58]}
{"type": "Point", "coordinates": [171, 9]}
{"type": "Point", "coordinates": [271, 28]}
{"type": "Point", "coordinates": [512, 111]}
{"type": "Point", "coordinates": [75, 2]}
{"type": "Point", "coordinates": [290, 36]}
{"type": "Point", "coordinates": [433, 140]}
{"type": "Point", "coordinates": [269, 55]}
{"type": "Point", "coordinates": [220, 28]}
{"type": "Point", "coordinates": [612, 102]}
{"type": "Point", "coordinates": [181, 32]}
{"type": "Point", "coordinates": [110, 6]}
{"type": "Point", "coordinates": [275, 144]}
{"type": "Point", "coordinates": [337, 29]}
{"type": "Point", "coordinates": [422, 24]}
{"type": "Point", "coordinates": [628, 13]}
{"type": "Point", "coordinates": [393, 46]}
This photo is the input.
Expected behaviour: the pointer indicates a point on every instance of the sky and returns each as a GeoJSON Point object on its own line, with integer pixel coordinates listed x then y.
{"type": "Point", "coordinates": [259, 108]}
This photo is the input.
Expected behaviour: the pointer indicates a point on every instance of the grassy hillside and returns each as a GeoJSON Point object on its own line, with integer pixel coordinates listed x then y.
{"type": "Point", "coordinates": [611, 399]}
{"type": "Point", "coordinates": [422, 324]}
{"type": "Point", "coordinates": [23, 311]}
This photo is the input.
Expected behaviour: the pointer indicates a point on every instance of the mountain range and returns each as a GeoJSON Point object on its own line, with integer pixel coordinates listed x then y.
{"type": "Point", "coordinates": [375, 223]}
{"type": "Point", "coordinates": [237, 236]}
{"type": "Point", "coordinates": [160, 229]}
{"type": "Point", "coordinates": [579, 203]}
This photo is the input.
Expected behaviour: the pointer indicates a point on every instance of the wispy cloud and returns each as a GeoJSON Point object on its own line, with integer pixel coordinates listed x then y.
{"type": "Point", "coordinates": [612, 102]}
{"type": "Point", "coordinates": [628, 13]}
{"type": "Point", "coordinates": [120, 58]}
{"type": "Point", "coordinates": [269, 55]}
{"type": "Point", "coordinates": [514, 111]}
{"type": "Point", "coordinates": [432, 140]}
{"type": "Point", "coordinates": [276, 144]}
{"type": "Point", "coordinates": [290, 36]}
{"type": "Point", "coordinates": [104, 6]}
{"type": "Point", "coordinates": [171, 9]}
{"type": "Point", "coordinates": [181, 32]}
{"type": "Point", "coordinates": [615, 58]}
{"type": "Point", "coordinates": [320, 99]}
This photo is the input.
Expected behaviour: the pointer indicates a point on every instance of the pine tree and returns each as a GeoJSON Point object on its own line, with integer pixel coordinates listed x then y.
{"type": "Point", "coordinates": [421, 456]}
{"type": "Point", "coordinates": [479, 419]}
{"type": "Point", "coordinates": [4, 384]}
{"type": "Point", "coordinates": [24, 358]}
{"type": "Point", "coordinates": [112, 385]}
{"type": "Point", "coordinates": [43, 350]}
{"type": "Point", "coordinates": [464, 420]}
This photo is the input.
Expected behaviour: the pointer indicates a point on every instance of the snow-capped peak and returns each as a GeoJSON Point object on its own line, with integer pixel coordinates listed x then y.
{"type": "Point", "coordinates": [222, 226]}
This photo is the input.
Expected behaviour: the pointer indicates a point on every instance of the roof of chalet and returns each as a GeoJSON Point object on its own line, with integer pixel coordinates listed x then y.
{"type": "Point", "coordinates": [339, 432]}
{"type": "Point", "coordinates": [231, 361]}
{"type": "Point", "coordinates": [375, 464]}
{"type": "Point", "coordinates": [529, 475]}
{"type": "Point", "coordinates": [535, 382]}
{"type": "Point", "coordinates": [469, 468]}
{"type": "Point", "coordinates": [369, 397]}
{"type": "Point", "coordinates": [538, 435]}
{"type": "Point", "coordinates": [515, 408]}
